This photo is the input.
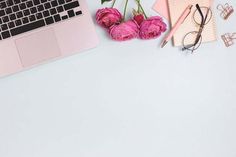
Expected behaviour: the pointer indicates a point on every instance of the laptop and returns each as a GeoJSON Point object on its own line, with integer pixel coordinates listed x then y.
{"type": "Point", "coordinates": [33, 32]}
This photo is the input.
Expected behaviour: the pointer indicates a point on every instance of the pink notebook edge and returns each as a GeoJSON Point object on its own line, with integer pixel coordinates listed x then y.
{"type": "Point", "coordinates": [161, 7]}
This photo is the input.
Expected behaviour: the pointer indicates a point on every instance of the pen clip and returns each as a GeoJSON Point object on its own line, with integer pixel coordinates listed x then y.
{"type": "Point", "coordinates": [187, 14]}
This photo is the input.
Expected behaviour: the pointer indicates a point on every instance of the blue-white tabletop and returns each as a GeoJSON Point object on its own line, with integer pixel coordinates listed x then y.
{"type": "Point", "coordinates": [124, 100]}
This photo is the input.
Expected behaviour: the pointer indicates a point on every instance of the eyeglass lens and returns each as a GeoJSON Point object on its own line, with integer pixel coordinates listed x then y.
{"type": "Point", "coordinates": [197, 17]}
{"type": "Point", "coordinates": [193, 40]}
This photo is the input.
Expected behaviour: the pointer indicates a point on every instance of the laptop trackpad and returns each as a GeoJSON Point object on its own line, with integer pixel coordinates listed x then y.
{"type": "Point", "coordinates": [38, 47]}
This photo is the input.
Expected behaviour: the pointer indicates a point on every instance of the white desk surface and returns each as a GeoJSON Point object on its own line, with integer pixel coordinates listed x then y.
{"type": "Point", "coordinates": [128, 99]}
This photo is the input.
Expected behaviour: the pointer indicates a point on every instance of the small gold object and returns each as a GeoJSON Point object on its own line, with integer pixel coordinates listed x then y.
{"type": "Point", "coordinates": [226, 10]}
{"type": "Point", "coordinates": [228, 39]}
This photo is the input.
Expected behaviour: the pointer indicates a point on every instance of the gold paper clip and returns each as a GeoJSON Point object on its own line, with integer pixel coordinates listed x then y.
{"type": "Point", "coordinates": [226, 10]}
{"type": "Point", "coordinates": [228, 39]}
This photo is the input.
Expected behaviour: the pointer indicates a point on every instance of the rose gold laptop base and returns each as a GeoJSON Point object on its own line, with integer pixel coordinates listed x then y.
{"type": "Point", "coordinates": [47, 43]}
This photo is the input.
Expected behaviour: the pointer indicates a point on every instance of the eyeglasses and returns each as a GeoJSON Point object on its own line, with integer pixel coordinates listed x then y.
{"type": "Point", "coordinates": [201, 17]}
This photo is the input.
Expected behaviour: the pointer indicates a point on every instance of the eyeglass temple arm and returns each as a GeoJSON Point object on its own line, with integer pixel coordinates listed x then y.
{"type": "Point", "coordinates": [198, 35]}
{"type": "Point", "coordinates": [207, 13]}
{"type": "Point", "coordinates": [202, 23]}
{"type": "Point", "coordinates": [201, 14]}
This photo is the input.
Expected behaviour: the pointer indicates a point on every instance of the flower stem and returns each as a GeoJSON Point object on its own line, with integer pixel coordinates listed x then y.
{"type": "Point", "coordinates": [113, 3]}
{"type": "Point", "coordinates": [126, 4]}
{"type": "Point", "coordinates": [139, 4]}
{"type": "Point", "coordinates": [138, 1]}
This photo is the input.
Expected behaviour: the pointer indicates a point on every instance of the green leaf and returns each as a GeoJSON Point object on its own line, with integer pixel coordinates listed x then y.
{"type": "Point", "coordinates": [103, 1]}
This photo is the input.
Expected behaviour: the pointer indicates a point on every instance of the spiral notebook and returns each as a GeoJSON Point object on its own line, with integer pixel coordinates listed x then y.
{"type": "Point", "coordinates": [176, 7]}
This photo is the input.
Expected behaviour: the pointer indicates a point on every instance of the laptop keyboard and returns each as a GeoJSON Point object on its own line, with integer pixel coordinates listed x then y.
{"type": "Point", "coordinates": [19, 16]}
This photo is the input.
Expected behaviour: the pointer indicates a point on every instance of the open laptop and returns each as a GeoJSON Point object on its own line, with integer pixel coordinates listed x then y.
{"type": "Point", "coordinates": [36, 31]}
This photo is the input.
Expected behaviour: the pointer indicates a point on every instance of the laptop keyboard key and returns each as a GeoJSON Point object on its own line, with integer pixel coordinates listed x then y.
{"type": "Point", "coordinates": [29, 4]}
{"type": "Point", "coordinates": [3, 5]}
{"type": "Point", "coordinates": [43, 1]}
{"type": "Point", "coordinates": [36, 2]}
{"type": "Point", "coordinates": [46, 13]}
{"type": "Point", "coordinates": [5, 19]}
{"type": "Point", "coordinates": [61, 1]}
{"type": "Point", "coordinates": [8, 10]}
{"type": "Point", "coordinates": [25, 20]}
{"type": "Point", "coordinates": [16, 1]}
{"type": "Point", "coordinates": [15, 8]}
{"type": "Point", "coordinates": [10, 3]}
{"type": "Point", "coordinates": [18, 22]}
{"type": "Point", "coordinates": [33, 10]}
{"type": "Point", "coordinates": [6, 34]}
{"type": "Point", "coordinates": [49, 20]}
{"type": "Point", "coordinates": [57, 18]}
{"type": "Point", "coordinates": [40, 7]}
{"type": "Point", "coordinates": [26, 12]}
{"type": "Point", "coordinates": [2, 13]}
{"type": "Point", "coordinates": [60, 9]}
{"type": "Point", "coordinates": [22, 6]}
{"type": "Point", "coordinates": [64, 17]}
{"type": "Point", "coordinates": [71, 5]}
{"type": "Point", "coordinates": [4, 27]}
{"type": "Point", "coordinates": [32, 18]}
{"type": "Point", "coordinates": [27, 27]}
{"type": "Point", "coordinates": [78, 13]}
{"type": "Point", "coordinates": [11, 25]}
{"type": "Point", "coordinates": [39, 15]}
{"type": "Point", "coordinates": [53, 11]}
{"type": "Point", "coordinates": [47, 5]}
{"type": "Point", "coordinates": [19, 14]}
{"type": "Point", "coordinates": [71, 13]}
{"type": "Point", "coordinates": [12, 17]}
{"type": "Point", "coordinates": [54, 3]}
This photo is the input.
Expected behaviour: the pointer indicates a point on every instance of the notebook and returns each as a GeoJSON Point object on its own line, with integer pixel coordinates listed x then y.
{"type": "Point", "coordinates": [161, 7]}
{"type": "Point", "coordinates": [176, 8]}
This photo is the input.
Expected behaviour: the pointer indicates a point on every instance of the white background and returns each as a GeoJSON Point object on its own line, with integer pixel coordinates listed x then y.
{"type": "Point", "coordinates": [128, 99]}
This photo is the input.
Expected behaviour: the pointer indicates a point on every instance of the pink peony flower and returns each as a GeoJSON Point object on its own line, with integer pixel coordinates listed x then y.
{"type": "Point", "coordinates": [124, 31]}
{"type": "Point", "coordinates": [139, 18]}
{"type": "Point", "coordinates": [152, 28]}
{"type": "Point", "coordinates": [107, 17]}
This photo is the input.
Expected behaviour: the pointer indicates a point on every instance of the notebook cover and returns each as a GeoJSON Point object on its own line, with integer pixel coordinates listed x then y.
{"type": "Point", "coordinates": [176, 8]}
{"type": "Point", "coordinates": [161, 7]}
